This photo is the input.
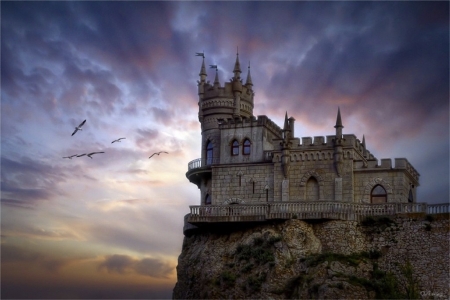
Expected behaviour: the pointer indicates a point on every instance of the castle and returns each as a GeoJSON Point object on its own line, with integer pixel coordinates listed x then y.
{"type": "Point", "coordinates": [267, 172]}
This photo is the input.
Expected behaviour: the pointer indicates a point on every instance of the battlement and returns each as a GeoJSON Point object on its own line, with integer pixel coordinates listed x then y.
{"type": "Point", "coordinates": [216, 91]}
{"type": "Point", "coordinates": [243, 122]}
{"type": "Point", "coordinates": [386, 164]}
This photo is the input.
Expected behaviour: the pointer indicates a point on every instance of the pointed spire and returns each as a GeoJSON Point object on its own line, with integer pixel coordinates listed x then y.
{"type": "Point", "coordinates": [203, 69]}
{"type": "Point", "coordinates": [364, 142]}
{"type": "Point", "coordinates": [286, 123]}
{"type": "Point", "coordinates": [237, 67]}
{"type": "Point", "coordinates": [338, 126]}
{"type": "Point", "coordinates": [216, 79]}
{"type": "Point", "coordinates": [338, 119]}
{"type": "Point", "coordinates": [249, 77]}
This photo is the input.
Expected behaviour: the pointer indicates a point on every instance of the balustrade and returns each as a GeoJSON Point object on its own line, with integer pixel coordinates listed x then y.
{"type": "Point", "coordinates": [305, 210]}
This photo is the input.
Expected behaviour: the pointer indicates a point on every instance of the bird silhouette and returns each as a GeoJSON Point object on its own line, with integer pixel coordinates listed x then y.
{"type": "Point", "coordinates": [92, 153]}
{"type": "Point", "coordinates": [89, 155]}
{"type": "Point", "coordinates": [158, 153]}
{"type": "Point", "coordinates": [70, 156]}
{"type": "Point", "coordinates": [78, 127]}
{"type": "Point", "coordinates": [118, 140]}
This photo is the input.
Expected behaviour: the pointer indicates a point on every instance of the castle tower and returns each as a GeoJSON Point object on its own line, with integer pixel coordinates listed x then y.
{"type": "Point", "coordinates": [232, 101]}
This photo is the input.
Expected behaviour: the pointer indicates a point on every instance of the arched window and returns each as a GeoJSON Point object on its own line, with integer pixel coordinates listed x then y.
{"type": "Point", "coordinates": [208, 199]}
{"type": "Point", "coordinates": [378, 195]}
{"type": "Point", "coordinates": [246, 149]}
{"type": "Point", "coordinates": [235, 148]}
{"type": "Point", "coordinates": [209, 153]}
{"type": "Point", "coordinates": [312, 189]}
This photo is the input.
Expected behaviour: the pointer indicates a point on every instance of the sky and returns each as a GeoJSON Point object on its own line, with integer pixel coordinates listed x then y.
{"type": "Point", "coordinates": [111, 226]}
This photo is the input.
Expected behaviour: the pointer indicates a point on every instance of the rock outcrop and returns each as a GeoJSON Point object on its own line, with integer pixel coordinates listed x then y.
{"type": "Point", "coordinates": [386, 257]}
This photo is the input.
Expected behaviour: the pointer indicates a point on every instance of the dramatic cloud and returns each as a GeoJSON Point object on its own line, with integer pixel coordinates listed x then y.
{"type": "Point", "coordinates": [111, 226]}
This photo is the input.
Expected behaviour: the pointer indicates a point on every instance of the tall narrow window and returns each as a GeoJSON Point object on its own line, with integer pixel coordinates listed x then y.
{"type": "Point", "coordinates": [207, 199]}
{"type": "Point", "coordinates": [240, 180]}
{"type": "Point", "coordinates": [267, 195]}
{"type": "Point", "coordinates": [246, 149]}
{"type": "Point", "coordinates": [410, 196]}
{"type": "Point", "coordinates": [235, 148]}
{"type": "Point", "coordinates": [253, 187]}
{"type": "Point", "coordinates": [378, 195]}
{"type": "Point", "coordinates": [209, 153]}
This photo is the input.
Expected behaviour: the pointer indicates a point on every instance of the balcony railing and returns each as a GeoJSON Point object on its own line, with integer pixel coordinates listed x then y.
{"type": "Point", "coordinates": [306, 210]}
{"type": "Point", "coordinates": [196, 163]}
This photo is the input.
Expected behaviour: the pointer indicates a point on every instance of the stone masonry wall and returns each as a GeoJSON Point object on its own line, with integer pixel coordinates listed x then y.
{"type": "Point", "coordinates": [246, 182]}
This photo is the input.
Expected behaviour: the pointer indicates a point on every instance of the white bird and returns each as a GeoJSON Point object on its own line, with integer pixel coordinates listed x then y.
{"type": "Point", "coordinates": [79, 127]}
{"type": "Point", "coordinates": [118, 140]}
{"type": "Point", "coordinates": [158, 153]}
{"type": "Point", "coordinates": [92, 153]}
{"type": "Point", "coordinates": [70, 156]}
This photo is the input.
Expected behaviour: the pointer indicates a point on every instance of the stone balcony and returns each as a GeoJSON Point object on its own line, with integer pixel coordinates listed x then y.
{"type": "Point", "coordinates": [325, 210]}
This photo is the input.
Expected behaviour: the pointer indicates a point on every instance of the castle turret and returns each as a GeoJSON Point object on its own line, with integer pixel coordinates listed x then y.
{"type": "Point", "coordinates": [338, 125]}
{"type": "Point", "coordinates": [338, 155]}
{"type": "Point", "coordinates": [237, 87]}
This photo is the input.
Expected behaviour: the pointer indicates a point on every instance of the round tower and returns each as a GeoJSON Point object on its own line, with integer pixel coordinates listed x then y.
{"type": "Point", "coordinates": [234, 100]}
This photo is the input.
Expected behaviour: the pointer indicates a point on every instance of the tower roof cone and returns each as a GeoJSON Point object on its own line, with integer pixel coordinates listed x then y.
{"type": "Point", "coordinates": [216, 79]}
{"type": "Point", "coordinates": [237, 66]}
{"type": "Point", "coordinates": [249, 77]}
{"type": "Point", "coordinates": [338, 119]}
{"type": "Point", "coordinates": [203, 69]}
{"type": "Point", "coordinates": [286, 125]}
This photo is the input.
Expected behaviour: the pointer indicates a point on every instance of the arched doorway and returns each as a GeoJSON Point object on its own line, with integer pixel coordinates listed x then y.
{"type": "Point", "coordinates": [312, 189]}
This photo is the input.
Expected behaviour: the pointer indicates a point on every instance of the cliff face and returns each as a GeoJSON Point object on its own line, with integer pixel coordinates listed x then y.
{"type": "Point", "coordinates": [397, 257]}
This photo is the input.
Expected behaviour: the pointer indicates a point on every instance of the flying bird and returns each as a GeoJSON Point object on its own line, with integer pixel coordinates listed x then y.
{"type": "Point", "coordinates": [70, 156]}
{"type": "Point", "coordinates": [92, 153]}
{"type": "Point", "coordinates": [200, 54]}
{"type": "Point", "coordinates": [81, 155]}
{"type": "Point", "coordinates": [79, 127]}
{"type": "Point", "coordinates": [213, 66]}
{"type": "Point", "coordinates": [158, 153]}
{"type": "Point", "coordinates": [118, 140]}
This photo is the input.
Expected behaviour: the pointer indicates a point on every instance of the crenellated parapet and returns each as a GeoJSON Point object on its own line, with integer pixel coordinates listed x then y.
{"type": "Point", "coordinates": [262, 120]}
{"type": "Point", "coordinates": [386, 164]}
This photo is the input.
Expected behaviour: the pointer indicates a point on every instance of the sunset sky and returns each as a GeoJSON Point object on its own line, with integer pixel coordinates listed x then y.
{"type": "Point", "coordinates": [111, 226]}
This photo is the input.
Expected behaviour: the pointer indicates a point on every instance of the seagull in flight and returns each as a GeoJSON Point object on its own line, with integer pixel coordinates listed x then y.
{"type": "Point", "coordinates": [79, 127]}
{"type": "Point", "coordinates": [118, 140]}
{"type": "Point", "coordinates": [89, 155]}
{"type": "Point", "coordinates": [70, 156]}
{"type": "Point", "coordinates": [158, 153]}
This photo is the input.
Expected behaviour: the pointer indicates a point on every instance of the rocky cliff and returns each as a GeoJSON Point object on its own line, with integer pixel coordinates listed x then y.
{"type": "Point", "coordinates": [404, 256]}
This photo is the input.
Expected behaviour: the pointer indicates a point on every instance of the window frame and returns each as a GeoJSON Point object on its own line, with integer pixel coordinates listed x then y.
{"type": "Point", "coordinates": [247, 145]}
{"type": "Point", "coordinates": [378, 195]}
{"type": "Point", "coordinates": [234, 146]}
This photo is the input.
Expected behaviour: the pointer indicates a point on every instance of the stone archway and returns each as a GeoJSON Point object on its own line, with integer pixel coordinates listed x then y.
{"type": "Point", "coordinates": [371, 184]}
